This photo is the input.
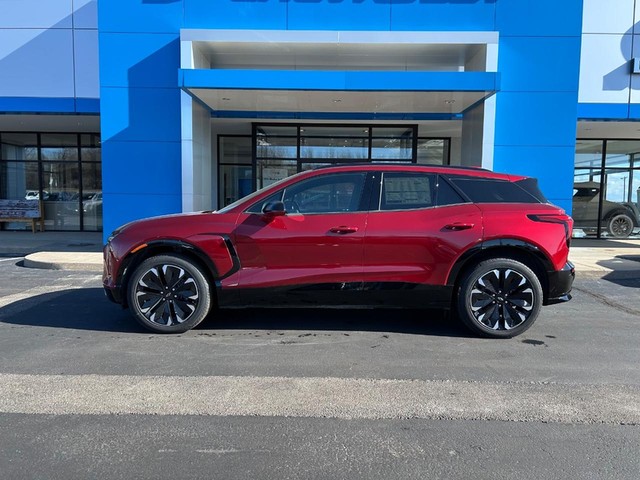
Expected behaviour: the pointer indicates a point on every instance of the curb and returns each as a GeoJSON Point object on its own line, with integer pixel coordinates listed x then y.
{"type": "Point", "coordinates": [73, 261]}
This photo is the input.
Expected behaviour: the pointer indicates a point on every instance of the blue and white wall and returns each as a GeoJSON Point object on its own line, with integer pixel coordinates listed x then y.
{"type": "Point", "coordinates": [143, 111]}
{"type": "Point", "coordinates": [48, 56]}
{"type": "Point", "coordinates": [610, 40]}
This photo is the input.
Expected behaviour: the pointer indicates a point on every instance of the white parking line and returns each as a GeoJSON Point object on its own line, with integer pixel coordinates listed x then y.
{"type": "Point", "coordinates": [12, 259]}
{"type": "Point", "coordinates": [319, 397]}
{"type": "Point", "coordinates": [33, 292]}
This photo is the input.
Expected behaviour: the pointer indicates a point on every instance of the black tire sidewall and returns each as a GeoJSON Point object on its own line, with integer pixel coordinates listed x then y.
{"type": "Point", "coordinates": [464, 308]}
{"type": "Point", "coordinates": [204, 292]}
{"type": "Point", "coordinates": [613, 217]}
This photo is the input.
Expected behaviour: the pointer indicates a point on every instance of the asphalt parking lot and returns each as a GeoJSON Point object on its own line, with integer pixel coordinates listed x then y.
{"type": "Point", "coordinates": [293, 393]}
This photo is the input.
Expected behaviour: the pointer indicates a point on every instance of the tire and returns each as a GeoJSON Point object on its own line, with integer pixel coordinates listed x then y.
{"type": "Point", "coordinates": [499, 298]}
{"type": "Point", "coordinates": [169, 294]}
{"type": "Point", "coordinates": [620, 225]}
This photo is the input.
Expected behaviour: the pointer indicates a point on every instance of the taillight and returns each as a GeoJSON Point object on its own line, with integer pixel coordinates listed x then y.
{"type": "Point", "coordinates": [561, 218]}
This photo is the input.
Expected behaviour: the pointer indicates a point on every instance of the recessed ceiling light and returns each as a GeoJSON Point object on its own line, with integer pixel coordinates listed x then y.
{"type": "Point", "coordinates": [449, 102]}
{"type": "Point", "coordinates": [336, 100]}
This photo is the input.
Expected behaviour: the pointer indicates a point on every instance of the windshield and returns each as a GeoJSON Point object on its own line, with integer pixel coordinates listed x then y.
{"type": "Point", "coordinates": [255, 194]}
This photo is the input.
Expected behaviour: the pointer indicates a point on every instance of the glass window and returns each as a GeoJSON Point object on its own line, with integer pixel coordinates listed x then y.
{"type": "Point", "coordinates": [62, 206]}
{"type": "Point", "coordinates": [622, 153]}
{"type": "Point", "coordinates": [53, 174]}
{"type": "Point", "coordinates": [236, 182]}
{"type": "Point", "coordinates": [271, 171]}
{"type": "Point", "coordinates": [332, 131]}
{"type": "Point", "coordinates": [588, 153]}
{"type": "Point", "coordinates": [338, 147]}
{"type": "Point", "coordinates": [235, 150]}
{"type": "Point", "coordinates": [492, 191]}
{"type": "Point", "coordinates": [447, 195]}
{"type": "Point", "coordinates": [433, 151]}
{"type": "Point", "coordinates": [277, 147]}
{"type": "Point", "coordinates": [404, 191]}
{"type": "Point", "coordinates": [19, 181]}
{"type": "Point", "coordinates": [61, 154]}
{"type": "Point", "coordinates": [392, 149]}
{"type": "Point", "coordinates": [19, 146]}
{"type": "Point", "coordinates": [277, 130]}
{"type": "Point", "coordinates": [90, 140]}
{"type": "Point", "coordinates": [92, 196]}
{"type": "Point", "coordinates": [606, 202]}
{"type": "Point", "coordinates": [328, 194]}
{"type": "Point", "coordinates": [59, 140]}
{"type": "Point", "coordinates": [91, 154]}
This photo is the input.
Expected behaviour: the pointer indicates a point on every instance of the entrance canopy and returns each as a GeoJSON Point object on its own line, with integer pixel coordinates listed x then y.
{"type": "Point", "coordinates": [416, 75]}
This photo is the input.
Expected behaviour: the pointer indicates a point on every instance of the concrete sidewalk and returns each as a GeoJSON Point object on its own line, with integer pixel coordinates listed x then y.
{"type": "Point", "coordinates": [82, 251]}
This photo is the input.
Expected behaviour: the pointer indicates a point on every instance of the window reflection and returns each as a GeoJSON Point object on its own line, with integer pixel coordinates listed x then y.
{"type": "Point", "coordinates": [47, 167]}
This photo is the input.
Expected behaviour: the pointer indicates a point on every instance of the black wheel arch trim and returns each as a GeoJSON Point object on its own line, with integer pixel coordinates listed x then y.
{"type": "Point", "coordinates": [498, 243]}
{"type": "Point", "coordinates": [132, 260]}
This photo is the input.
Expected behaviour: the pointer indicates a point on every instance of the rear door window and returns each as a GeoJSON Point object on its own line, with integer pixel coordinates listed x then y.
{"type": "Point", "coordinates": [489, 190]}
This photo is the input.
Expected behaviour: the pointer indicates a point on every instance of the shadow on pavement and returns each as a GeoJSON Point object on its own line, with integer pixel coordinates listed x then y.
{"type": "Point", "coordinates": [88, 309]}
{"type": "Point", "coordinates": [602, 243]}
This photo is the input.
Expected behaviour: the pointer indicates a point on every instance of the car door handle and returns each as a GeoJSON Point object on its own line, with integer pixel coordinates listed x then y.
{"type": "Point", "coordinates": [458, 226]}
{"type": "Point", "coordinates": [343, 230]}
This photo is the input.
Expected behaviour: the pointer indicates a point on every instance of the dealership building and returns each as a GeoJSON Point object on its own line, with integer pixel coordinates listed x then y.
{"type": "Point", "coordinates": [116, 110]}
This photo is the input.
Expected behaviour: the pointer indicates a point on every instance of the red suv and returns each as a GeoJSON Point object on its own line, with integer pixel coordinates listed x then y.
{"type": "Point", "coordinates": [487, 245]}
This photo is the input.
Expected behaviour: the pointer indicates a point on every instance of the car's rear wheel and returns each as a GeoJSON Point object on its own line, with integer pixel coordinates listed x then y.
{"type": "Point", "coordinates": [620, 225]}
{"type": "Point", "coordinates": [169, 294]}
{"type": "Point", "coordinates": [499, 298]}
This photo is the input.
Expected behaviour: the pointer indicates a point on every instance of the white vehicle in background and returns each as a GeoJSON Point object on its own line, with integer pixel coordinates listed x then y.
{"type": "Point", "coordinates": [35, 195]}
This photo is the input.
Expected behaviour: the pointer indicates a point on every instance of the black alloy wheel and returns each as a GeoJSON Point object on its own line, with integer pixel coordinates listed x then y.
{"type": "Point", "coordinates": [620, 225]}
{"type": "Point", "coordinates": [500, 298]}
{"type": "Point", "coordinates": [169, 294]}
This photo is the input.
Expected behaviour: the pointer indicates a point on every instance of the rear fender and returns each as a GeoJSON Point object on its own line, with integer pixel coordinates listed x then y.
{"type": "Point", "coordinates": [502, 246]}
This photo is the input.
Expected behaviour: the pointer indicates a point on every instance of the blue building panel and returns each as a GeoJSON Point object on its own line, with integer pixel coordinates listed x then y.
{"type": "Point", "coordinates": [123, 208]}
{"type": "Point", "coordinates": [36, 14]}
{"type": "Point", "coordinates": [341, 15]}
{"type": "Point", "coordinates": [140, 114]}
{"type": "Point", "coordinates": [36, 63]}
{"type": "Point", "coordinates": [236, 14]}
{"type": "Point", "coordinates": [603, 111]}
{"type": "Point", "coordinates": [149, 16]}
{"type": "Point", "coordinates": [143, 60]}
{"type": "Point", "coordinates": [540, 18]}
{"type": "Point", "coordinates": [37, 104]}
{"type": "Point", "coordinates": [535, 118]}
{"type": "Point", "coordinates": [469, 15]}
{"type": "Point", "coordinates": [340, 80]}
{"type": "Point", "coordinates": [149, 164]}
{"type": "Point", "coordinates": [527, 65]}
{"type": "Point", "coordinates": [85, 14]}
{"type": "Point", "coordinates": [86, 73]}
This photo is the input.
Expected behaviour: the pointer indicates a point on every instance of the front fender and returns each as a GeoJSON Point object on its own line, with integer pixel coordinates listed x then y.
{"type": "Point", "coordinates": [220, 250]}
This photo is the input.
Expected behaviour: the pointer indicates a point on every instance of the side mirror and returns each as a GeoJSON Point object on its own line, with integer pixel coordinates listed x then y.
{"type": "Point", "coordinates": [274, 209]}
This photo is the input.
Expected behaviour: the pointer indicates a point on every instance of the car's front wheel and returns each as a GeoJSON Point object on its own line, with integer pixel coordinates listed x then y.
{"type": "Point", "coordinates": [620, 225]}
{"type": "Point", "coordinates": [499, 298]}
{"type": "Point", "coordinates": [169, 294]}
